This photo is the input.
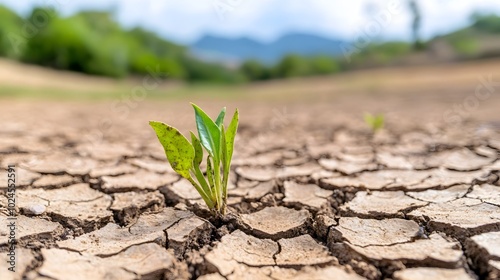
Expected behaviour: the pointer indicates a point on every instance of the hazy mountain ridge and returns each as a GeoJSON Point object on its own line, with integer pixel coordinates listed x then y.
{"type": "Point", "coordinates": [244, 48]}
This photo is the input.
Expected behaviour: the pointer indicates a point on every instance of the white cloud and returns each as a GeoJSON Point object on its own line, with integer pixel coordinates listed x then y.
{"type": "Point", "coordinates": [186, 20]}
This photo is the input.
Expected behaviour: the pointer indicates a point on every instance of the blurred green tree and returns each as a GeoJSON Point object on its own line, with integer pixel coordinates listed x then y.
{"type": "Point", "coordinates": [324, 65]}
{"type": "Point", "coordinates": [291, 66]}
{"type": "Point", "coordinates": [202, 71]}
{"type": "Point", "coordinates": [487, 23]}
{"type": "Point", "coordinates": [254, 70]}
{"type": "Point", "coordinates": [71, 44]}
{"type": "Point", "coordinates": [11, 40]}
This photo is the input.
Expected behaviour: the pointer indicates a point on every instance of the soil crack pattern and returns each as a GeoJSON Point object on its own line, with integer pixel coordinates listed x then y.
{"type": "Point", "coordinates": [324, 198]}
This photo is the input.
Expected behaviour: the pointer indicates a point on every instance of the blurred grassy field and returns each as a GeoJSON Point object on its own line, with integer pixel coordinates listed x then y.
{"type": "Point", "coordinates": [406, 96]}
{"type": "Point", "coordinates": [29, 93]}
{"type": "Point", "coordinates": [26, 82]}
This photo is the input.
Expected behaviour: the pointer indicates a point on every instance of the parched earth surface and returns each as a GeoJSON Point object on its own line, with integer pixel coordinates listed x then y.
{"type": "Point", "coordinates": [313, 194]}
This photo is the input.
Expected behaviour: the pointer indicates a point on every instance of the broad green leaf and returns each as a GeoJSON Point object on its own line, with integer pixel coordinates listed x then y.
{"type": "Point", "coordinates": [220, 118]}
{"type": "Point", "coordinates": [208, 132]}
{"type": "Point", "coordinates": [198, 150]}
{"type": "Point", "coordinates": [229, 137]}
{"type": "Point", "coordinates": [178, 150]}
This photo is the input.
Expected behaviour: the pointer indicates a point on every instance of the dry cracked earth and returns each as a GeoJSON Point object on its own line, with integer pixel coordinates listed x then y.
{"type": "Point", "coordinates": [313, 195]}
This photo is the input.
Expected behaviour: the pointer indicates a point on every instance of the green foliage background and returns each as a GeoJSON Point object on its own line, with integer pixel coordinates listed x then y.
{"type": "Point", "coordinates": [93, 42]}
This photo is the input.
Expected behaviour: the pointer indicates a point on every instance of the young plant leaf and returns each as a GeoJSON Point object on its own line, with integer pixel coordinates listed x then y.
{"type": "Point", "coordinates": [376, 122]}
{"type": "Point", "coordinates": [185, 157]}
{"type": "Point", "coordinates": [177, 148]}
{"type": "Point", "coordinates": [379, 122]}
{"type": "Point", "coordinates": [198, 150]}
{"type": "Point", "coordinates": [223, 146]}
{"type": "Point", "coordinates": [220, 118]}
{"type": "Point", "coordinates": [210, 202]}
{"type": "Point", "coordinates": [225, 163]}
{"type": "Point", "coordinates": [198, 158]}
{"type": "Point", "coordinates": [230, 135]}
{"type": "Point", "coordinates": [211, 179]}
{"type": "Point", "coordinates": [210, 172]}
{"type": "Point", "coordinates": [208, 132]}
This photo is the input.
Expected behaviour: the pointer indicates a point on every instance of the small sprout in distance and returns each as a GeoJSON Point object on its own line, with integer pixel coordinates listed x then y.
{"type": "Point", "coordinates": [185, 157]}
{"type": "Point", "coordinates": [375, 122]}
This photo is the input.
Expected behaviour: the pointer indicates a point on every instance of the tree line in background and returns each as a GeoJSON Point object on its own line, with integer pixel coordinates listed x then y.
{"type": "Point", "coordinates": [92, 42]}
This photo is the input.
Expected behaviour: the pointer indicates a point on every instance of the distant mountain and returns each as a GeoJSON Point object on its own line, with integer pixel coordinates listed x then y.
{"type": "Point", "coordinates": [239, 49]}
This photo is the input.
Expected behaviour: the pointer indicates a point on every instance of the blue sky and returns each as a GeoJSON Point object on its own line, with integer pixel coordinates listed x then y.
{"type": "Point", "coordinates": [186, 20]}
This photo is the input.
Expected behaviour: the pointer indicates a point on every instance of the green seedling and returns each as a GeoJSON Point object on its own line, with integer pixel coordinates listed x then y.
{"type": "Point", "coordinates": [375, 122]}
{"type": "Point", "coordinates": [185, 157]}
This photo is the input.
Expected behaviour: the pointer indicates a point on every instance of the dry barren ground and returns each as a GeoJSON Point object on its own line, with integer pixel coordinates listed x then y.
{"type": "Point", "coordinates": [313, 194]}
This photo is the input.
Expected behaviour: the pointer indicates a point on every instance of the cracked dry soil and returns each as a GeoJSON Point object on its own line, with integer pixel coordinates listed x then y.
{"type": "Point", "coordinates": [314, 197]}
